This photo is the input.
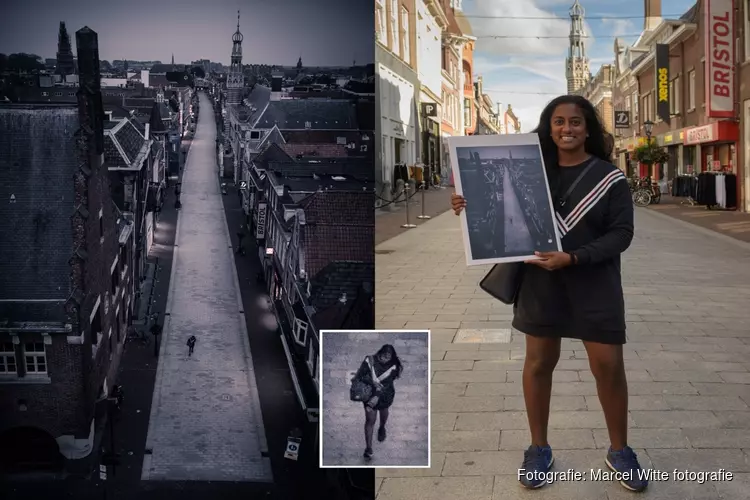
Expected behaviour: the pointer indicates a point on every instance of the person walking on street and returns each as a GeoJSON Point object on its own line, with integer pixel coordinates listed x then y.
{"type": "Point", "coordinates": [577, 293]}
{"type": "Point", "coordinates": [156, 329]}
{"type": "Point", "coordinates": [380, 370]}
{"type": "Point", "coordinates": [191, 344]}
{"type": "Point", "coordinates": [240, 237]}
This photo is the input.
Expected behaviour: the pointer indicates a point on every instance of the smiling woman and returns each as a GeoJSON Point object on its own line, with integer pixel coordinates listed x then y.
{"type": "Point", "coordinates": [578, 293]}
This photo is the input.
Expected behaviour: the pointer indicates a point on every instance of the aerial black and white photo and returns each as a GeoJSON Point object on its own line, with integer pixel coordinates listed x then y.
{"type": "Point", "coordinates": [189, 199]}
{"type": "Point", "coordinates": [375, 398]}
{"type": "Point", "coordinates": [509, 211]}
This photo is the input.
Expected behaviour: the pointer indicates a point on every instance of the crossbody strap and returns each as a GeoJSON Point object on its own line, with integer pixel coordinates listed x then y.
{"type": "Point", "coordinates": [567, 194]}
{"type": "Point", "coordinates": [372, 369]}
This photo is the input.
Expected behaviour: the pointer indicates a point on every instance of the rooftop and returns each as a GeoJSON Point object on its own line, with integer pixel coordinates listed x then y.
{"type": "Point", "coordinates": [122, 144]}
{"type": "Point", "coordinates": [339, 225]}
{"type": "Point", "coordinates": [39, 157]}
{"type": "Point", "coordinates": [313, 114]}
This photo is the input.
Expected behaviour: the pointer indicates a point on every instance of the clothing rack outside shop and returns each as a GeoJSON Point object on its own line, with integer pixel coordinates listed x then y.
{"type": "Point", "coordinates": [714, 190]}
{"type": "Point", "coordinates": [685, 186]}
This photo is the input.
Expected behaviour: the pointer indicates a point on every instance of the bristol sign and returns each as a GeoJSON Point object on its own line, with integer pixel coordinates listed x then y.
{"type": "Point", "coordinates": [720, 58]}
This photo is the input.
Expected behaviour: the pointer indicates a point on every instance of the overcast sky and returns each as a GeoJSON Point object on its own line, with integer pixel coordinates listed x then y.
{"type": "Point", "coordinates": [323, 32]}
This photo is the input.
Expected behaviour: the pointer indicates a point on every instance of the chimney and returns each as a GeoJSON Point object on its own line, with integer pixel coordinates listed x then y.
{"type": "Point", "coordinates": [147, 133]}
{"type": "Point", "coordinates": [276, 83]}
{"type": "Point", "coordinates": [652, 14]}
{"type": "Point", "coordinates": [90, 107]}
{"type": "Point", "coordinates": [145, 77]}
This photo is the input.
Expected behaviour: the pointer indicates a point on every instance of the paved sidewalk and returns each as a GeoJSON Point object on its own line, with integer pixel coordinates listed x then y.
{"type": "Point", "coordinates": [388, 222]}
{"type": "Point", "coordinates": [730, 223]}
{"type": "Point", "coordinates": [688, 362]}
{"type": "Point", "coordinates": [343, 440]}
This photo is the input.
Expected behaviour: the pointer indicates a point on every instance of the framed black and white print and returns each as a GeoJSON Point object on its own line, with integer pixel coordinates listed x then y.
{"type": "Point", "coordinates": [509, 212]}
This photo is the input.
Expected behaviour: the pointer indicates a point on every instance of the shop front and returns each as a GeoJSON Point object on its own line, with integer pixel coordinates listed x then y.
{"type": "Point", "coordinates": [713, 147]}
{"type": "Point", "coordinates": [676, 165]}
{"type": "Point", "coordinates": [430, 123]}
{"type": "Point", "coordinates": [397, 127]}
{"type": "Point", "coordinates": [626, 161]}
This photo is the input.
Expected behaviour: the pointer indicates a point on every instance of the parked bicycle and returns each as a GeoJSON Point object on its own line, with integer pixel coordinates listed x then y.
{"type": "Point", "coordinates": [644, 191]}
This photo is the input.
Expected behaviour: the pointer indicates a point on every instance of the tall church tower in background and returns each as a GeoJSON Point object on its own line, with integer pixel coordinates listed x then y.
{"type": "Point", "coordinates": [65, 64]}
{"type": "Point", "coordinates": [577, 69]}
{"type": "Point", "coordinates": [235, 78]}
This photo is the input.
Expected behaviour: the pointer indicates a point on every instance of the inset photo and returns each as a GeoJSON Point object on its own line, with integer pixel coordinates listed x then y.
{"type": "Point", "coordinates": [375, 398]}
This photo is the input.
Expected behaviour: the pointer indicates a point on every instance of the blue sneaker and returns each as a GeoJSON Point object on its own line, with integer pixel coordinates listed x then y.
{"type": "Point", "coordinates": [626, 463]}
{"type": "Point", "coordinates": [537, 462]}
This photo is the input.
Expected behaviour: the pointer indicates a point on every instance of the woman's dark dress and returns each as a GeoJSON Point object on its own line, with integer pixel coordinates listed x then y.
{"type": "Point", "coordinates": [388, 393]}
{"type": "Point", "coordinates": [584, 301]}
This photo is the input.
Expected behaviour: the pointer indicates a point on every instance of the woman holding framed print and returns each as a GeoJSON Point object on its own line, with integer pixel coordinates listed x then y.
{"type": "Point", "coordinates": [577, 293]}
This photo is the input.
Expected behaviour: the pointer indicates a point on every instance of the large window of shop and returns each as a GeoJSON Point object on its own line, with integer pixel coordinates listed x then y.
{"type": "Point", "coordinates": [431, 149]}
{"type": "Point", "coordinates": [688, 160]}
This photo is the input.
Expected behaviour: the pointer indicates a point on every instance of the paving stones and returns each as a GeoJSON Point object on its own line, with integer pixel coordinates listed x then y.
{"type": "Point", "coordinates": [205, 422]}
{"type": "Point", "coordinates": [688, 359]}
{"type": "Point", "coordinates": [483, 335]}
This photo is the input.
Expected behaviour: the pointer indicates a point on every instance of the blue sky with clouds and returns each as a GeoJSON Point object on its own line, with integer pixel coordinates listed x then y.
{"type": "Point", "coordinates": [521, 45]}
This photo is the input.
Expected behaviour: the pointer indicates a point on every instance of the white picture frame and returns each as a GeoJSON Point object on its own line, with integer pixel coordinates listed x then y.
{"type": "Point", "coordinates": [349, 421]}
{"type": "Point", "coordinates": [534, 226]}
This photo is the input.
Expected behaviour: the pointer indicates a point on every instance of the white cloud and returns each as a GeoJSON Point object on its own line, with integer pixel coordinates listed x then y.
{"type": "Point", "coordinates": [504, 19]}
{"type": "Point", "coordinates": [619, 27]}
{"type": "Point", "coordinates": [526, 106]}
{"type": "Point", "coordinates": [527, 84]}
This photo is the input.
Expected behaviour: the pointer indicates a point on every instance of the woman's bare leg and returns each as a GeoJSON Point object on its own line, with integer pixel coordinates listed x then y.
{"type": "Point", "coordinates": [542, 355]}
{"type": "Point", "coordinates": [608, 367]}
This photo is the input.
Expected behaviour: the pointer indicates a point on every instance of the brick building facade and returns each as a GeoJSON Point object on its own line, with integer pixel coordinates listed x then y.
{"type": "Point", "coordinates": [697, 138]}
{"type": "Point", "coordinates": [599, 91]}
{"type": "Point", "coordinates": [61, 320]}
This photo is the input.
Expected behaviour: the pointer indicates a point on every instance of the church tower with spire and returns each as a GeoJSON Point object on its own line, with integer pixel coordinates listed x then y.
{"type": "Point", "coordinates": [65, 63]}
{"type": "Point", "coordinates": [577, 70]}
{"type": "Point", "coordinates": [235, 78]}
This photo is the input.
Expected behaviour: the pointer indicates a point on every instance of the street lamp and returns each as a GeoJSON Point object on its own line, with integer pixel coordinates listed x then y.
{"type": "Point", "coordinates": [648, 127]}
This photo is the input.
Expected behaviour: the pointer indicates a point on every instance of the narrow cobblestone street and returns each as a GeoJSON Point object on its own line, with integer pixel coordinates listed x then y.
{"type": "Point", "coordinates": [343, 421]}
{"type": "Point", "coordinates": [205, 421]}
{"type": "Point", "coordinates": [687, 357]}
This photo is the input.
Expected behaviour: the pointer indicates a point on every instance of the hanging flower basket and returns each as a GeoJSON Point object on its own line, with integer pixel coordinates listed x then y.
{"type": "Point", "coordinates": [651, 154]}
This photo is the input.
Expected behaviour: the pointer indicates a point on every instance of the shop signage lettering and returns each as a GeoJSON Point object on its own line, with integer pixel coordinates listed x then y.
{"type": "Point", "coordinates": [698, 135]}
{"type": "Point", "coordinates": [662, 82]}
{"type": "Point", "coordinates": [720, 58]}
{"type": "Point", "coordinates": [260, 229]}
{"type": "Point", "coordinates": [622, 119]}
{"type": "Point", "coordinates": [429, 109]}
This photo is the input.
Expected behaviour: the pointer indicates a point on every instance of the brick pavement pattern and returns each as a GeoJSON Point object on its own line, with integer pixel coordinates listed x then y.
{"type": "Point", "coordinates": [205, 422]}
{"type": "Point", "coordinates": [687, 359]}
{"type": "Point", "coordinates": [388, 222]}
{"type": "Point", "coordinates": [730, 223]}
{"type": "Point", "coordinates": [343, 439]}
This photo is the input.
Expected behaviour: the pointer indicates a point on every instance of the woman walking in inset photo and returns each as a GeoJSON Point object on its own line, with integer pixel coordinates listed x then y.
{"type": "Point", "coordinates": [577, 293]}
{"type": "Point", "coordinates": [380, 370]}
